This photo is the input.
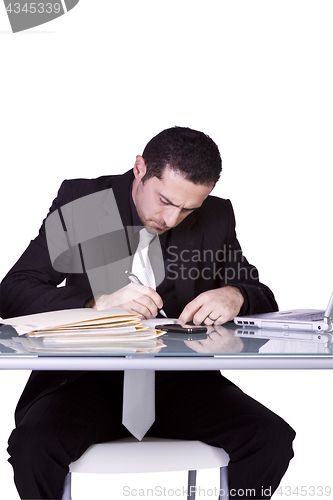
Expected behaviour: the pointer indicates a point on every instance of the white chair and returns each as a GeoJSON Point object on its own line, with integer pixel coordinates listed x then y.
{"type": "Point", "coordinates": [152, 455]}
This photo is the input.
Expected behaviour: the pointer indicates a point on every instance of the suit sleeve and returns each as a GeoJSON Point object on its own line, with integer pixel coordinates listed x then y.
{"type": "Point", "coordinates": [238, 272]}
{"type": "Point", "coordinates": [32, 285]}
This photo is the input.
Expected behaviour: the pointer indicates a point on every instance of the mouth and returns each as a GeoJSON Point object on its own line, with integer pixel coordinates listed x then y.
{"type": "Point", "coordinates": [155, 228]}
{"type": "Point", "coordinates": [159, 227]}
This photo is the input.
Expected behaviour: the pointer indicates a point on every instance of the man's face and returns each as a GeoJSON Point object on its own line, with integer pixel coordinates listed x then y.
{"type": "Point", "coordinates": [163, 203]}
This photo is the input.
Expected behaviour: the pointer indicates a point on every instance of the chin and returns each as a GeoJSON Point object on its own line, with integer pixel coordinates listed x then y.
{"type": "Point", "coordinates": [155, 230]}
{"type": "Point", "coordinates": [151, 230]}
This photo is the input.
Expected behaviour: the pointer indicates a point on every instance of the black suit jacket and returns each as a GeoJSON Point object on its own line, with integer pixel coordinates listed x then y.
{"type": "Point", "coordinates": [203, 254]}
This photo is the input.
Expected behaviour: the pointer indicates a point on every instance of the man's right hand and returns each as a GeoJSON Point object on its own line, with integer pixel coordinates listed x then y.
{"type": "Point", "coordinates": [136, 299]}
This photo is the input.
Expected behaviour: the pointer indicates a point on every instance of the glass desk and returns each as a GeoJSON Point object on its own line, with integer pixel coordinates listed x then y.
{"type": "Point", "coordinates": [223, 347]}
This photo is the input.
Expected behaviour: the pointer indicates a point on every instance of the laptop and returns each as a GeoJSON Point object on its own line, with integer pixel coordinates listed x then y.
{"type": "Point", "coordinates": [296, 319]}
{"type": "Point", "coordinates": [294, 335]}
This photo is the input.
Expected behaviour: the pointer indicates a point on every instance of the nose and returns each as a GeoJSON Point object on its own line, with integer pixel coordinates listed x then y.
{"type": "Point", "coordinates": [171, 216]}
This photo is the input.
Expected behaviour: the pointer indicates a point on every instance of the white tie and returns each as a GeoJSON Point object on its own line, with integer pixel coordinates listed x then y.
{"type": "Point", "coordinates": [139, 385]}
{"type": "Point", "coordinates": [141, 266]}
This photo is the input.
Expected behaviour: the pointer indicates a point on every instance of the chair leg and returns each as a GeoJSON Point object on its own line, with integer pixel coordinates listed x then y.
{"type": "Point", "coordinates": [224, 484]}
{"type": "Point", "coordinates": [67, 495]}
{"type": "Point", "coordinates": [192, 477]}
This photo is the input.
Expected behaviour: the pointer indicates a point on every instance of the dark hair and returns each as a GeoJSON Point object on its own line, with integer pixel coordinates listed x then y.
{"type": "Point", "coordinates": [192, 153]}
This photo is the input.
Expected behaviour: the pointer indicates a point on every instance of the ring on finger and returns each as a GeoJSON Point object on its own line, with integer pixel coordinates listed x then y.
{"type": "Point", "coordinates": [213, 320]}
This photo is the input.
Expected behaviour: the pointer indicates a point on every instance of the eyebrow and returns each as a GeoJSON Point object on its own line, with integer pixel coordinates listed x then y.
{"type": "Point", "coordinates": [174, 204]}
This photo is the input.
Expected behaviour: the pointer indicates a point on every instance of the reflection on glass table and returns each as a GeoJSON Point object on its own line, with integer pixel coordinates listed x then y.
{"type": "Point", "coordinates": [218, 340]}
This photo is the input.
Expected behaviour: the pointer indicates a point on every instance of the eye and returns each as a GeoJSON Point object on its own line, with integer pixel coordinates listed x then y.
{"type": "Point", "coordinates": [164, 201]}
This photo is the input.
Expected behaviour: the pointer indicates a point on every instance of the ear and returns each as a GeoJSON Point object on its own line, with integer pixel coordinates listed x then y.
{"type": "Point", "coordinates": [140, 168]}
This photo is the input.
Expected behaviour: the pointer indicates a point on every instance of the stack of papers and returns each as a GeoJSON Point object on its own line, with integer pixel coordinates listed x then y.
{"type": "Point", "coordinates": [83, 330]}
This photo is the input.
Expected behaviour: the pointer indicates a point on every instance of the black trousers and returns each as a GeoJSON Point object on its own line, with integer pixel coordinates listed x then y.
{"type": "Point", "coordinates": [202, 406]}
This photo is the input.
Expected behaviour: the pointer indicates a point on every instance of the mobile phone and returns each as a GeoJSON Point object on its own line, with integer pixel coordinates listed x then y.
{"type": "Point", "coordinates": [176, 328]}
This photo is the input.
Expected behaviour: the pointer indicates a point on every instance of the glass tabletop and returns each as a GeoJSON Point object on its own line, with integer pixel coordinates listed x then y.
{"type": "Point", "coordinates": [226, 340]}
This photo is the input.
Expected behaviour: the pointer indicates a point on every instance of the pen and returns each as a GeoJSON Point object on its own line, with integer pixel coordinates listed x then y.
{"type": "Point", "coordinates": [134, 279]}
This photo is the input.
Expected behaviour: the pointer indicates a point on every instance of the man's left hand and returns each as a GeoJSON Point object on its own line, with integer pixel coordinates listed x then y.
{"type": "Point", "coordinates": [213, 307]}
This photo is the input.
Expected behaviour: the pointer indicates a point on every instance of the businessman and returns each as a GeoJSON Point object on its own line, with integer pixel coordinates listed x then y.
{"type": "Point", "coordinates": [206, 279]}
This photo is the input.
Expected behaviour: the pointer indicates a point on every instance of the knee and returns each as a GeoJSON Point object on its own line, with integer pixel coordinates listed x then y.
{"type": "Point", "coordinates": [29, 445]}
{"type": "Point", "coordinates": [39, 464]}
{"type": "Point", "coordinates": [278, 436]}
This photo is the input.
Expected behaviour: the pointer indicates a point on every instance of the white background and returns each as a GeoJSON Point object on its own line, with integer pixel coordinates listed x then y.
{"type": "Point", "coordinates": [82, 95]}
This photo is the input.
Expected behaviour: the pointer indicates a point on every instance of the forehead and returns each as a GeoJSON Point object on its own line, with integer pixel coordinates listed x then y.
{"type": "Point", "coordinates": [180, 191]}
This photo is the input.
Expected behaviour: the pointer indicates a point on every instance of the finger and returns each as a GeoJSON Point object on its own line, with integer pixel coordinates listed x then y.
{"type": "Point", "coordinates": [221, 320]}
{"type": "Point", "coordinates": [206, 315]}
{"type": "Point", "coordinates": [139, 308]}
{"type": "Point", "coordinates": [147, 291]}
{"type": "Point", "coordinates": [210, 330]}
{"type": "Point", "coordinates": [209, 320]}
{"type": "Point", "coordinates": [130, 309]}
{"type": "Point", "coordinates": [195, 345]}
{"type": "Point", "coordinates": [190, 310]}
{"type": "Point", "coordinates": [198, 311]}
{"type": "Point", "coordinates": [215, 318]}
{"type": "Point", "coordinates": [148, 303]}
{"type": "Point", "coordinates": [225, 315]}
{"type": "Point", "coordinates": [213, 314]}
{"type": "Point", "coordinates": [155, 297]}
